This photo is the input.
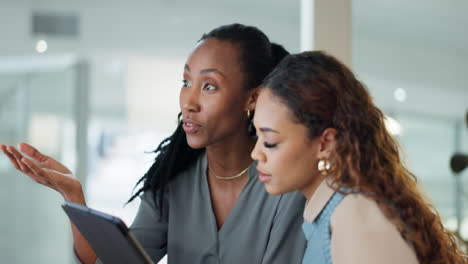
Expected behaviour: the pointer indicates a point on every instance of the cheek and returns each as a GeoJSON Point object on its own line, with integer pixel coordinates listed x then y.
{"type": "Point", "coordinates": [279, 164]}
{"type": "Point", "coordinates": [222, 113]}
{"type": "Point", "coordinates": [287, 172]}
{"type": "Point", "coordinates": [294, 167]}
{"type": "Point", "coordinates": [182, 94]}
{"type": "Point", "coordinates": [304, 161]}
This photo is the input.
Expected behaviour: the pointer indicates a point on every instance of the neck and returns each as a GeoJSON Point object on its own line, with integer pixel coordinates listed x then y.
{"type": "Point", "coordinates": [230, 157]}
{"type": "Point", "coordinates": [310, 189]}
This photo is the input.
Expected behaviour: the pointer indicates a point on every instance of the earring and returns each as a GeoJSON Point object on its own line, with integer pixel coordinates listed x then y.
{"type": "Point", "coordinates": [248, 113]}
{"type": "Point", "coordinates": [324, 166]}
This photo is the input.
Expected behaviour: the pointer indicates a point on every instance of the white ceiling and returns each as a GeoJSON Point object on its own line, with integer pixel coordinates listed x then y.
{"type": "Point", "coordinates": [421, 46]}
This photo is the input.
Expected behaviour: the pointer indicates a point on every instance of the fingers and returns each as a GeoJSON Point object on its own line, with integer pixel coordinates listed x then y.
{"type": "Point", "coordinates": [12, 159]}
{"type": "Point", "coordinates": [29, 167]}
{"type": "Point", "coordinates": [19, 157]}
{"type": "Point", "coordinates": [37, 174]}
{"type": "Point", "coordinates": [44, 160]}
{"type": "Point", "coordinates": [32, 152]}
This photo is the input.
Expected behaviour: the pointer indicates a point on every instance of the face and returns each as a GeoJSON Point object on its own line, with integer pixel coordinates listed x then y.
{"type": "Point", "coordinates": [213, 99]}
{"type": "Point", "coordinates": [287, 156]}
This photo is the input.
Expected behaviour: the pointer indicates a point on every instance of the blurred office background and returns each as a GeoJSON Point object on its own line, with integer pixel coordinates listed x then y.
{"type": "Point", "coordinates": [95, 84]}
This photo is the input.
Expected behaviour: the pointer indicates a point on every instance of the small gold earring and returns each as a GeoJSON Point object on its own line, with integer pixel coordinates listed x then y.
{"type": "Point", "coordinates": [324, 166]}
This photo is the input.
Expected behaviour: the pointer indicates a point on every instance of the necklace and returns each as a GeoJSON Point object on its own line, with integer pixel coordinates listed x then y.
{"type": "Point", "coordinates": [231, 177]}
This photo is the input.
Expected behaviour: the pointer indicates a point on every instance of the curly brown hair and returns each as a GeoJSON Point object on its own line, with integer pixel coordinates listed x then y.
{"type": "Point", "coordinates": [321, 92]}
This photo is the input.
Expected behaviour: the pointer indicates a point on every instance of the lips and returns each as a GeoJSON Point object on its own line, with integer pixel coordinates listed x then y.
{"type": "Point", "coordinates": [190, 126]}
{"type": "Point", "coordinates": [263, 177]}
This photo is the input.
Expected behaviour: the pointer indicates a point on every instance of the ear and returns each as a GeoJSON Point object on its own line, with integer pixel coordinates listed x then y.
{"type": "Point", "coordinates": [327, 143]}
{"type": "Point", "coordinates": [252, 98]}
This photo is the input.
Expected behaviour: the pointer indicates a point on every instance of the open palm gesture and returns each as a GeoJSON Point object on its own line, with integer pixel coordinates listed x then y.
{"type": "Point", "coordinates": [42, 169]}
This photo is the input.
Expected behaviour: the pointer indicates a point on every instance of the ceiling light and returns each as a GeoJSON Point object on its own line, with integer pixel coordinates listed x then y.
{"type": "Point", "coordinates": [41, 46]}
{"type": "Point", "coordinates": [400, 95]}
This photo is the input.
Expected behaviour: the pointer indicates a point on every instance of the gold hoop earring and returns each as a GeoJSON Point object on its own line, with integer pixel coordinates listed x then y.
{"type": "Point", "coordinates": [324, 166]}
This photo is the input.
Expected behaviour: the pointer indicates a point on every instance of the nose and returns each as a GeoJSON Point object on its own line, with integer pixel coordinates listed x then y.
{"type": "Point", "coordinates": [257, 153]}
{"type": "Point", "coordinates": [189, 99]}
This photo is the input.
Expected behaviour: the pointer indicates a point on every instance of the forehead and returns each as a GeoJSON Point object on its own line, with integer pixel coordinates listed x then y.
{"type": "Point", "coordinates": [214, 53]}
{"type": "Point", "coordinates": [271, 112]}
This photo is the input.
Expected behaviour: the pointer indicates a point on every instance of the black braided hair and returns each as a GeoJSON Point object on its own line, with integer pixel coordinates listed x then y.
{"type": "Point", "coordinates": [258, 57]}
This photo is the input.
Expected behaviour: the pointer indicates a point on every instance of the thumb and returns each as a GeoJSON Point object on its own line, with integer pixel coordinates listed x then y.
{"type": "Point", "coordinates": [45, 160]}
{"type": "Point", "coordinates": [31, 152]}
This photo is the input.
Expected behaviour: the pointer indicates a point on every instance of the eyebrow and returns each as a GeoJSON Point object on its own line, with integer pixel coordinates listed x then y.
{"type": "Point", "coordinates": [205, 71]}
{"type": "Point", "coordinates": [267, 129]}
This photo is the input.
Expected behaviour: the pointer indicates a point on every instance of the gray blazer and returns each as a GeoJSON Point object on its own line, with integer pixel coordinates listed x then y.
{"type": "Point", "coordinates": [261, 228]}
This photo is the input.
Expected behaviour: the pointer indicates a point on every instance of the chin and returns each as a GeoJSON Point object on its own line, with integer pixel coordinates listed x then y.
{"type": "Point", "coordinates": [275, 190]}
{"type": "Point", "coordinates": [195, 143]}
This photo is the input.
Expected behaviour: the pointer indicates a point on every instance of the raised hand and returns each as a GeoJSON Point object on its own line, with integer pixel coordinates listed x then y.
{"type": "Point", "coordinates": [44, 170]}
{"type": "Point", "coordinates": [51, 173]}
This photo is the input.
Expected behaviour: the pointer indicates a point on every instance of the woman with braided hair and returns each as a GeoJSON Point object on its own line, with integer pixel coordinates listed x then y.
{"type": "Point", "coordinates": [201, 201]}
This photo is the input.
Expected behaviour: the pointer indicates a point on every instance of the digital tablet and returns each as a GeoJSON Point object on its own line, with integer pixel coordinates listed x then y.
{"type": "Point", "coordinates": [107, 235]}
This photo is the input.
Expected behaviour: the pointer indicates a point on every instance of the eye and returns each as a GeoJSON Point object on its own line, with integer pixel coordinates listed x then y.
{"type": "Point", "coordinates": [209, 87]}
{"type": "Point", "coordinates": [269, 145]}
{"type": "Point", "coordinates": [185, 83]}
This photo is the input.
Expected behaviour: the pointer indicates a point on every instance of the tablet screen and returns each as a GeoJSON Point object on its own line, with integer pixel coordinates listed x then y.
{"type": "Point", "coordinates": [107, 235]}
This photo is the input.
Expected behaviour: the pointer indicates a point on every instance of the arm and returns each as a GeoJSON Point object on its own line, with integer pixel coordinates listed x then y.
{"type": "Point", "coordinates": [287, 241]}
{"type": "Point", "coordinates": [361, 233]}
{"type": "Point", "coordinates": [48, 172]}
{"type": "Point", "coordinates": [150, 227]}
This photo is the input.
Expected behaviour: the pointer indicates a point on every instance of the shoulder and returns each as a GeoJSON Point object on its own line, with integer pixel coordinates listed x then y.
{"type": "Point", "coordinates": [359, 209]}
{"type": "Point", "coordinates": [361, 230]}
{"type": "Point", "coordinates": [360, 216]}
{"type": "Point", "coordinates": [183, 178]}
{"type": "Point", "coordinates": [197, 168]}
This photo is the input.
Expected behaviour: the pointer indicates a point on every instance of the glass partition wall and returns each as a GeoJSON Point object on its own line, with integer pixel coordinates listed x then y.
{"type": "Point", "coordinates": [43, 102]}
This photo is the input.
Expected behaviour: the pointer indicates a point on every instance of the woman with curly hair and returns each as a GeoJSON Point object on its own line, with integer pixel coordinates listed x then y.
{"type": "Point", "coordinates": [327, 139]}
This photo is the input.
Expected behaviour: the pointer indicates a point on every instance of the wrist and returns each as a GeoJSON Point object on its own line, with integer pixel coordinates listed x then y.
{"type": "Point", "coordinates": [75, 193]}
